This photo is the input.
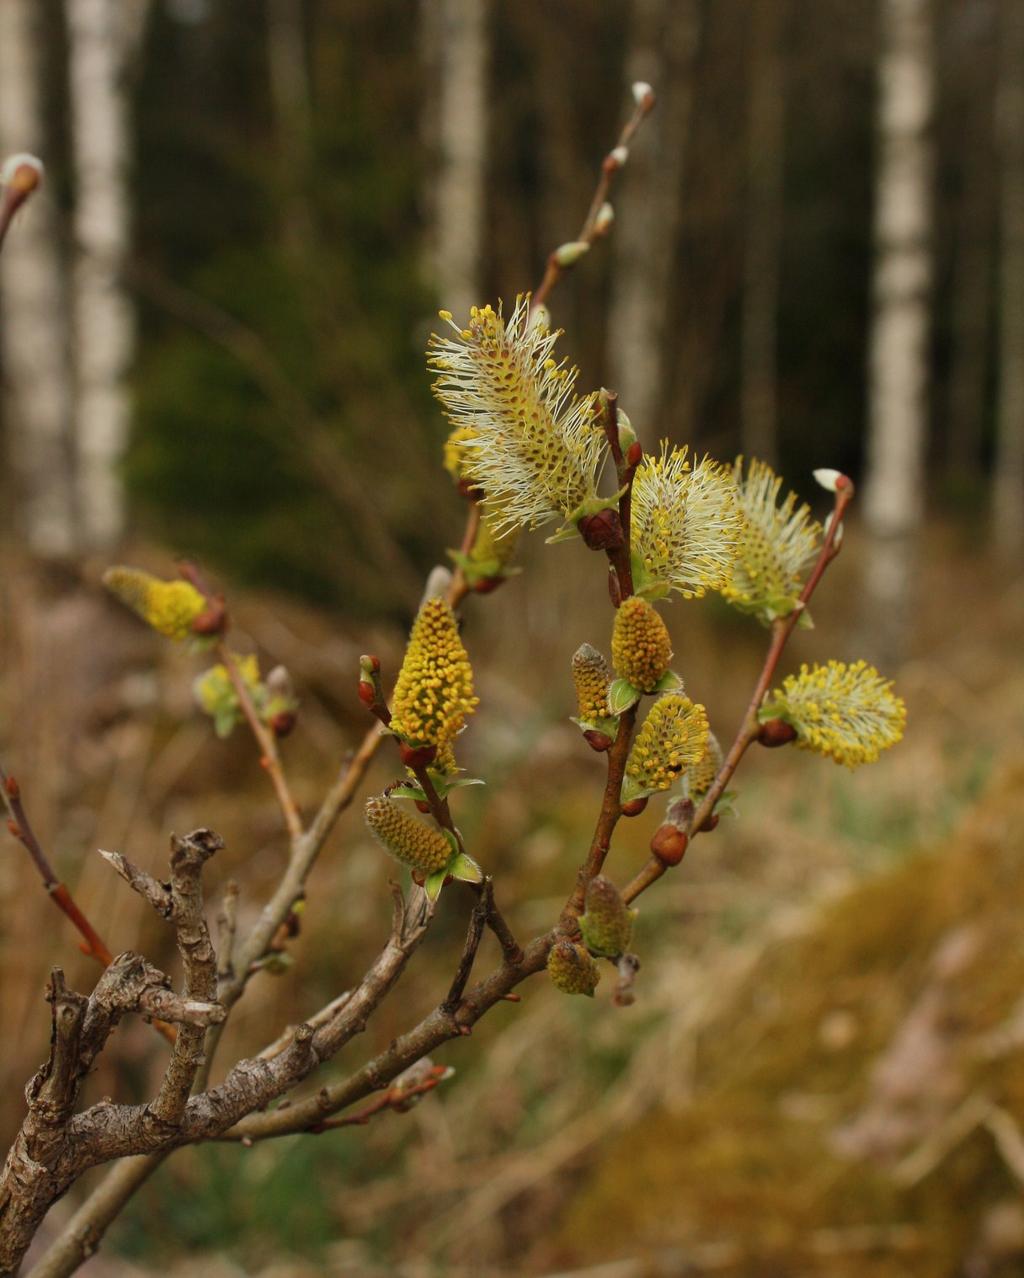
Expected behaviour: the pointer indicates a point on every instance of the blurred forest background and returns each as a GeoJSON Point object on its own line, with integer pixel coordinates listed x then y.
{"type": "Point", "coordinates": [213, 324]}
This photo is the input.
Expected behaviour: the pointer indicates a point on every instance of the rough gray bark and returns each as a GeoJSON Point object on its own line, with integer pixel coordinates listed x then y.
{"type": "Point", "coordinates": [763, 247]}
{"type": "Point", "coordinates": [1008, 477]}
{"type": "Point", "coordinates": [894, 494]}
{"type": "Point", "coordinates": [34, 335]}
{"type": "Point", "coordinates": [663, 45]}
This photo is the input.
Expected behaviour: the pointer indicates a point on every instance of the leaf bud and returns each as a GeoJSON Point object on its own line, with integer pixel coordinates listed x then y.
{"type": "Point", "coordinates": [634, 807]}
{"type": "Point", "coordinates": [602, 531]}
{"type": "Point", "coordinates": [569, 254]}
{"type": "Point", "coordinates": [668, 843]}
{"type": "Point", "coordinates": [776, 732]}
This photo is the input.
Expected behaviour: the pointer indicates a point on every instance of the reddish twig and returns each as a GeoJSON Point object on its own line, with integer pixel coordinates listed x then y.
{"type": "Point", "coordinates": [782, 628]}
{"type": "Point", "coordinates": [269, 756]}
{"type": "Point", "coordinates": [610, 165]}
{"type": "Point", "coordinates": [395, 1098]}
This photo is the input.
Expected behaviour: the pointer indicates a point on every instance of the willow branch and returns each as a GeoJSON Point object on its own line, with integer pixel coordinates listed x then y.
{"type": "Point", "coordinates": [782, 629]}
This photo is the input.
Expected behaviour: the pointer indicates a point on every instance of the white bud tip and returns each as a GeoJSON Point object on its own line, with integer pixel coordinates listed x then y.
{"type": "Point", "coordinates": [828, 479]}
{"type": "Point", "coordinates": [21, 160]}
{"type": "Point", "coordinates": [605, 217]}
{"type": "Point", "coordinates": [568, 254]}
{"type": "Point", "coordinates": [641, 91]}
{"type": "Point", "coordinates": [619, 154]}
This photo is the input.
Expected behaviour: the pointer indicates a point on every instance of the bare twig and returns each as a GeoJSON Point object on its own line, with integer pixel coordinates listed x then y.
{"type": "Point", "coordinates": [591, 228]}
{"type": "Point", "coordinates": [477, 923]}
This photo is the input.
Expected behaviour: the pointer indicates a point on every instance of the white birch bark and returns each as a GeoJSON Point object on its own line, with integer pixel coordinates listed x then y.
{"type": "Point", "coordinates": [456, 31]}
{"type": "Point", "coordinates": [763, 248]}
{"type": "Point", "coordinates": [663, 44]}
{"type": "Point", "coordinates": [35, 335]}
{"type": "Point", "coordinates": [1008, 476]}
{"type": "Point", "coordinates": [104, 325]}
{"type": "Point", "coordinates": [894, 485]}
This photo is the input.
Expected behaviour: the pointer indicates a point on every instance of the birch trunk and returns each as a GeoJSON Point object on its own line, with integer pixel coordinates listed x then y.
{"type": "Point", "coordinates": [894, 485]}
{"type": "Point", "coordinates": [104, 325]}
{"type": "Point", "coordinates": [35, 337]}
{"type": "Point", "coordinates": [762, 256]}
{"type": "Point", "coordinates": [1008, 478]}
{"type": "Point", "coordinates": [662, 50]}
{"type": "Point", "coordinates": [455, 33]}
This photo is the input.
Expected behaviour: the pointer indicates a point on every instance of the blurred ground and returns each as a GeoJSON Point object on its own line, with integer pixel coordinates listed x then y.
{"type": "Point", "coordinates": [822, 1073]}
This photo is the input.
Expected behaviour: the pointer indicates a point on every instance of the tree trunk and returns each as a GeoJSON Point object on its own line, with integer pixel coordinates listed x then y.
{"type": "Point", "coordinates": [662, 51]}
{"type": "Point", "coordinates": [456, 33]}
{"type": "Point", "coordinates": [763, 249]}
{"type": "Point", "coordinates": [35, 337]}
{"type": "Point", "coordinates": [103, 317]}
{"type": "Point", "coordinates": [1008, 478]}
{"type": "Point", "coordinates": [894, 486]}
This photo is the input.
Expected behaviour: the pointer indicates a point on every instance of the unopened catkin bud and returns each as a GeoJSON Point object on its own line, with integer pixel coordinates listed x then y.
{"type": "Point", "coordinates": [570, 253]}
{"type": "Point", "coordinates": [590, 678]}
{"type": "Point", "coordinates": [607, 924]}
{"type": "Point", "coordinates": [572, 970]}
{"type": "Point", "coordinates": [641, 644]}
{"type": "Point", "coordinates": [408, 840]}
{"type": "Point", "coordinates": [700, 776]}
{"type": "Point", "coordinates": [605, 217]}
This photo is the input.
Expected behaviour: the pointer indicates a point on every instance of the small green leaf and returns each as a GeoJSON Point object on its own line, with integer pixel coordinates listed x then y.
{"type": "Point", "coordinates": [567, 532]}
{"type": "Point", "coordinates": [621, 695]}
{"type": "Point", "coordinates": [408, 791]}
{"type": "Point", "coordinates": [465, 868]}
{"type": "Point", "coordinates": [669, 682]}
{"type": "Point", "coordinates": [433, 884]}
{"type": "Point", "coordinates": [457, 783]}
{"type": "Point", "coordinates": [806, 622]}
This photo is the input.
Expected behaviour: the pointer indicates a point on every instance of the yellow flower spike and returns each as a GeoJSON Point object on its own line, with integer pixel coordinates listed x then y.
{"type": "Point", "coordinates": [776, 546]}
{"type": "Point", "coordinates": [170, 607]}
{"type": "Point", "coordinates": [419, 846]}
{"type": "Point", "coordinates": [641, 644]}
{"type": "Point", "coordinates": [685, 525]}
{"type": "Point", "coordinates": [456, 454]}
{"type": "Point", "coordinates": [674, 737]}
{"type": "Point", "coordinates": [591, 678]}
{"type": "Point", "coordinates": [847, 713]}
{"type": "Point", "coordinates": [434, 690]}
{"type": "Point", "coordinates": [537, 446]}
{"type": "Point", "coordinates": [571, 969]}
{"type": "Point", "coordinates": [216, 694]}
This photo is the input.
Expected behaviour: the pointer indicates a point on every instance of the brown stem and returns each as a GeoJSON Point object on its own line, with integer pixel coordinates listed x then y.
{"type": "Point", "coordinates": [611, 810]}
{"type": "Point", "coordinates": [588, 232]}
{"type": "Point", "coordinates": [459, 587]}
{"type": "Point", "coordinates": [477, 923]}
{"type": "Point", "coordinates": [270, 757]}
{"type": "Point", "coordinates": [782, 628]}
{"type": "Point", "coordinates": [395, 1098]}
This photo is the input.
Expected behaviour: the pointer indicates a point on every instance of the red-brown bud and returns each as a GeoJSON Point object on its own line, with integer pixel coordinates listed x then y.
{"type": "Point", "coordinates": [776, 732]}
{"type": "Point", "coordinates": [634, 453]}
{"type": "Point", "coordinates": [487, 584]}
{"type": "Point", "coordinates": [634, 807]}
{"type": "Point", "coordinates": [282, 723]}
{"type": "Point", "coordinates": [366, 693]}
{"type": "Point", "coordinates": [12, 788]}
{"type": "Point", "coordinates": [14, 828]}
{"type": "Point", "coordinates": [711, 823]}
{"type": "Point", "coordinates": [417, 756]}
{"type": "Point", "coordinates": [669, 844]}
{"type": "Point", "coordinates": [213, 620]}
{"type": "Point", "coordinates": [599, 741]}
{"type": "Point", "coordinates": [602, 531]}
{"type": "Point", "coordinates": [422, 805]}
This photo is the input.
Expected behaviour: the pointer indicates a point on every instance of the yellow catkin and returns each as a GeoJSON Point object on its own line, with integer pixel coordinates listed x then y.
{"type": "Point", "coordinates": [417, 845]}
{"type": "Point", "coordinates": [776, 545]}
{"type": "Point", "coordinates": [571, 969]}
{"type": "Point", "coordinates": [674, 736]}
{"type": "Point", "coordinates": [214, 687]}
{"type": "Point", "coordinates": [455, 452]}
{"type": "Point", "coordinates": [849, 714]}
{"type": "Point", "coordinates": [641, 644]}
{"type": "Point", "coordinates": [685, 523]}
{"type": "Point", "coordinates": [170, 607]}
{"type": "Point", "coordinates": [532, 445]}
{"type": "Point", "coordinates": [434, 690]}
{"type": "Point", "coordinates": [590, 677]}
